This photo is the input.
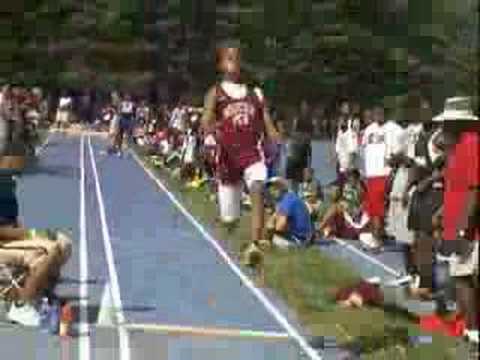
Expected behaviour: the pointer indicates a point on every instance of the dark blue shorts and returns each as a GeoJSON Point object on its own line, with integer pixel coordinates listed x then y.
{"type": "Point", "coordinates": [8, 212]}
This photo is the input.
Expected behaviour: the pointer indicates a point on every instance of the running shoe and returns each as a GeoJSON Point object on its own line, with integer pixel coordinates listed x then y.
{"type": "Point", "coordinates": [471, 336]}
{"type": "Point", "coordinates": [25, 315]}
{"type": "Point", "coordinates": [401, 281]}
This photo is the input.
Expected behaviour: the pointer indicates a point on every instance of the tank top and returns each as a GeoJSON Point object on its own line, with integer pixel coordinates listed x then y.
{"type": "Point", "coordinates": [239, 128]}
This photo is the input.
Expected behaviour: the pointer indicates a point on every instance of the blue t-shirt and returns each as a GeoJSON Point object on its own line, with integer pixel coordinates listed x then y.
{"type": "Point", "coordinates": [299, 220]}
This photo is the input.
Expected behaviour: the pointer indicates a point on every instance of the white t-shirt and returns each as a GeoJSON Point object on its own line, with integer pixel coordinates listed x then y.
{"type": "Point", "coordinates": [64, 103]}
{"type": "Point", "coordinates": [126, 107]}
{"type": "Point", "coordinates": [375, 150]}
{"type": "Point", "coordinates": [346, 146]}
{"type": "Point", "coordinates": [413, 134]}
{"type": "Point", "coordinates": [395, 139]}
{"type": "Point", "coordinates": [385, 141]}
{"type": "Point", "coordinates": [177, 119]}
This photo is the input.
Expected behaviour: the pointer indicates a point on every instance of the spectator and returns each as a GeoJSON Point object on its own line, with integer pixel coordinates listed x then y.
{"type": "Point", "coordinates": [425, 196]}
{"type": "Point", "coordinates": [461, 203]}
{"type": "Point", "coordinates": [376, 171]}
{"type": "Point", "coordinates": [64, 111]}
{"type": "Point", "coordinates": [311, 193]}
{"type": "Point", "coordinates": [300, 147]}
{"type": "Point", "coordinates": [345, 218]}
{"type": "Point", "coordinates": [291, 224]}
{"type": "Point", "coordinates": [346, 147]}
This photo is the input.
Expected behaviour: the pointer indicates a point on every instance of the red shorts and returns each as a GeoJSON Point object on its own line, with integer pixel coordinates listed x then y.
{"type": "Point", "coordinates": [375, 197]}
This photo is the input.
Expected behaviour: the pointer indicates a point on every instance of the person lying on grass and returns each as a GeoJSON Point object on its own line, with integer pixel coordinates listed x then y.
{"type": "Point", "coordinates": [363, 293]}
{"type": "Point", "coordinates": [290, 225]}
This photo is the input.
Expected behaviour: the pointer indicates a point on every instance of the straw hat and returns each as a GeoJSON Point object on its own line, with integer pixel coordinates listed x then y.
{"type": "Point", "coordinates": [456, 108]}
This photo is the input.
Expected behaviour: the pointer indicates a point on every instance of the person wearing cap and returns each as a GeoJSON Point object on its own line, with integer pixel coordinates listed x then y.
{"type": "Point", "coordinates": [461, 226]}
{"type": "Point", "coordinates": [291, 223]}
{"type": "Point", "coordinates": [423, 194]}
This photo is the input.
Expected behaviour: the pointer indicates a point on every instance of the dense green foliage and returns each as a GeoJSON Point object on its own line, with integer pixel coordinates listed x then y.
{"type": "Point", "coordinates": [320, 47]}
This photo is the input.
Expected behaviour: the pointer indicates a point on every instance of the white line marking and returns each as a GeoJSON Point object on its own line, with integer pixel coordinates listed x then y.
{"type": "Point", "coordinates": [388, 269]}
{"type": "Point", "coordinates": [124, 341]}
{"type": "Point", "coordinates": [84, 346]}
{"type": "Point", "coordinates": [246, 281]}
{"type": "Point", "coordinates": [208, 331]}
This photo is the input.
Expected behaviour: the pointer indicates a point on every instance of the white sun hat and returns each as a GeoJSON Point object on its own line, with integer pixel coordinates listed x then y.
{"type": "Point", "coordinates": [456, 108]}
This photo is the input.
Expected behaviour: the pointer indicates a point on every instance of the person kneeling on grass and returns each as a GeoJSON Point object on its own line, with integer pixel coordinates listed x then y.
{"type": "Point", "coordinates": [291, 223]}
{"type": "Point", "coordinates": [42, 260]}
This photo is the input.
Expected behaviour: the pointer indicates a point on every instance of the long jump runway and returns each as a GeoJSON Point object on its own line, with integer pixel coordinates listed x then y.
{"type": "Point", "coordinates": [147, 280]}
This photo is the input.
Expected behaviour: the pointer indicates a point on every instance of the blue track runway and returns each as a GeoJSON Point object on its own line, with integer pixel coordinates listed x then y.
{"type": "Point", "coordinates": [162, 270]}
{"type": "Point", "coordinates": [168, 273]}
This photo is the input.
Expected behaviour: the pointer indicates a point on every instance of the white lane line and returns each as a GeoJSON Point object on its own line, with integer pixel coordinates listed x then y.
{"type": "Point", "coordinates": [367, 257]}
{"type": "Point", "coordinates": [281, 319]}
{"type": "Point", "coordinates": [84, 346]}
{"type": "Point", "coordinates": [124, 341]}
{"type": "Point", "coordinates": [208, 331]}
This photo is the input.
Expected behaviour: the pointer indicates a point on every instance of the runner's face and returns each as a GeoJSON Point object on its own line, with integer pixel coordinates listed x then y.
{"type": "Point", "coordinates": [230, 62]}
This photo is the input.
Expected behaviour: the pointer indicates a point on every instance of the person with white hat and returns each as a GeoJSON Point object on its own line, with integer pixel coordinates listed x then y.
{"type": "Point", "coordinates": [461, 227]}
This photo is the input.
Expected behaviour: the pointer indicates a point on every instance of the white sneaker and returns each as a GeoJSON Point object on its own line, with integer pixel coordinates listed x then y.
{"type": "Point", "coordinates": [404, 280]}
{"type": "Point", "coordinates": [472, 336]}
{"type": "Point", "coordinates": [368, 241]}
{"type": "Point", "coordinates": [25, 315]}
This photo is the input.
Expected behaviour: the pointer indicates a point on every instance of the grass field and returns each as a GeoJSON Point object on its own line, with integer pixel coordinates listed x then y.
{"type": "Point", "coordinates": [302, 279]}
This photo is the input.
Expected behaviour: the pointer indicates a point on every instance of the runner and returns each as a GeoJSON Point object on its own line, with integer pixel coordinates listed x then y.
{"type": "Point", "coordinates": [239, 116]}
{"type": "Point", "coordinates": [127, 111]}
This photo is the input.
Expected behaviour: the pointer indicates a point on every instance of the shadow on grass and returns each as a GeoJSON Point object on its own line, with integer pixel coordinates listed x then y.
{"type": "Point", "coordinates": [391, 336]}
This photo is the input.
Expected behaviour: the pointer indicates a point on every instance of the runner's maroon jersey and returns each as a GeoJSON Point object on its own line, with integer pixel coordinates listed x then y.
{"type": "Point", "coordinates": [240, 127]}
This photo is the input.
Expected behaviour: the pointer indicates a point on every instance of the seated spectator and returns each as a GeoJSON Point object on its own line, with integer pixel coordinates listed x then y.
{"type": "Point", "coordinates": [310, 191]}
{"type": "Point", "coordinates": [41, 258]}
{"type": "Point", "coordinates": [290, 224]}
{"type": "Point", "coordinates": [310, 185]}
{"type": "Point", "coordinates": [345, 217]}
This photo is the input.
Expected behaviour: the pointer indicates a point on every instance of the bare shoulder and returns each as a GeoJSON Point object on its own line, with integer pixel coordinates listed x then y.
{"type": "Point", "coordinates": [259, 93]}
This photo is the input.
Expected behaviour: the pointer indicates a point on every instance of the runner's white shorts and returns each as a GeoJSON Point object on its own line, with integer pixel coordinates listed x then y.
{"type": "Point", "coordinates": [230, 195]}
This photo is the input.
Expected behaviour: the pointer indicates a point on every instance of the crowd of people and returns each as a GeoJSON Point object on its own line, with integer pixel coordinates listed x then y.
{"type": "Point", "coordinates": [413, 181]}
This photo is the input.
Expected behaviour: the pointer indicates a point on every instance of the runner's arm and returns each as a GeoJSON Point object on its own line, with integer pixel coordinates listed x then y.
{"type": "Point", "coordinates": [270, 129]}
{"type": "Point", "coordinates": [208, 117]}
